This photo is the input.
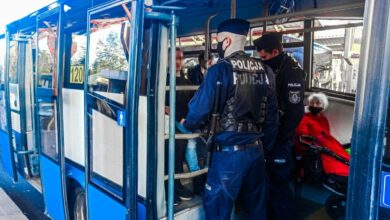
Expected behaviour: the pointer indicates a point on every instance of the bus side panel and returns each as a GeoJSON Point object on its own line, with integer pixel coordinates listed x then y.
{"type": "Point", "coordinates": [51, 182]}
{"type": "Point", "coordinates": [5, 153]}
{"type": "Point", "coordinates": [141, 211]}
{"type": "Point", "coordinates": [76, 174]}
{"type": "Point", "coordinates": [100, 206]}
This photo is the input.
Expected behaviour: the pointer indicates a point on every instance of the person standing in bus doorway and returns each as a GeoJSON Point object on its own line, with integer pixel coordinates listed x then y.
{"type": "Point", "coordinates": [197, 73]}
{"type": "Point", "coordinates": [290, 90]}
{"type": "Point", "coordinates": [242, 90]}
{"type": "Point", "coordinates": [182, 100]}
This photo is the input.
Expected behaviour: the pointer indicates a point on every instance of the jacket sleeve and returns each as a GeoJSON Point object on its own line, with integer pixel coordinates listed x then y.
{"type": "Point", "coordinates": [292, 96]}
{"type": "Point", "coordinates": [271, 118]}
{"type": "Point", "coordinates": [202, 103]}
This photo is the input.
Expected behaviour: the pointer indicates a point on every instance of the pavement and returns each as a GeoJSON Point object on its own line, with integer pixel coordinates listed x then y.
{"type": "Point", "coordinates": [8, 209]}
{"type": "Point", "coordinates": [19, 200]}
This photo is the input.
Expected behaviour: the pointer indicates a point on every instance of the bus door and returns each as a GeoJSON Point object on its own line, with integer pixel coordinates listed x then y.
{"type": "Point", "coordinates": [7, 153]}
{"type": "Point", "coordinates": [20, 86]}
{"type": "Point", "coordinates": [107, 77]}
{"type": "Point", "coordinates": [48, 110]}
{"type": "Point", "coordinates": [73, 119]}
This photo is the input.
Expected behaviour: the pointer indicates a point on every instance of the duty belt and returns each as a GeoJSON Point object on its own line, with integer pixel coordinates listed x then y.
{"type": "Point", "coordinates": [244, 127]}
{"type": "Point", "coordinates": [237, 147]}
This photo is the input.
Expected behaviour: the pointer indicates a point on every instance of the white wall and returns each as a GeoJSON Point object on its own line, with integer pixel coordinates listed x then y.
{"type": "Point", "coordinates": [73, 121]}
{"type": "Point", "coordinates": [340, 116]}
{"type": "Point", "coordinates": [142, 145]}
{"type": "Point", "coordinates": [107, 148]}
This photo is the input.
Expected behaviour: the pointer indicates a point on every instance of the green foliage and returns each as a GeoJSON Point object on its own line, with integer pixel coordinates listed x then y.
{"type": "Point", "coordinates": [110, 55]}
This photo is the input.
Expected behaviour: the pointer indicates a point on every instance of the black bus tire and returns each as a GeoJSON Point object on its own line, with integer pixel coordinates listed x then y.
{"type": "Point", "coordinates": [335, 206]}
{"type": "Point", "coordinates": [77, 204]}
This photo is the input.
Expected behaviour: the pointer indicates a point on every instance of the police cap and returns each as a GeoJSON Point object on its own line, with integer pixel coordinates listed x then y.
{"type": "Point", "coordinates": [268, 42]}
{"type": "Point", "coordinates": [235, 26]}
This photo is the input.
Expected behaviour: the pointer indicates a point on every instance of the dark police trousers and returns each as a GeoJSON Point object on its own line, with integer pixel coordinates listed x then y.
{"type": "Point", "coordinates": [280, 167]}
{"type": "Point", "coordinates": [232, 173]}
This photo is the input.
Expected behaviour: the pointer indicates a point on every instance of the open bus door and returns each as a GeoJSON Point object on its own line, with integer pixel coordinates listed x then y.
{"type": "Point", "coordinates": [48, 110]}
{"type": "Point", "coordinates": [19, 84]}
{"type": "Point", "coordinates": [7, 155]}
{"type": "Point", "coordinates": [107, 77]}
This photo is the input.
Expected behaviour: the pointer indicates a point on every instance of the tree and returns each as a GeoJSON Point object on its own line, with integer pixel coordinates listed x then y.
{"type": "Point", "coordinates": [110, 55]}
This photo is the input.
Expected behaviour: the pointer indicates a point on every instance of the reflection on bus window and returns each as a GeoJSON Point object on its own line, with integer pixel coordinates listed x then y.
{"type": "Point", "coordinates": [336, 61]}
{"type": "Point", "coordinates": [13, 62]}
{"type": "Point", "coordinates": [3, 119]}
{"type": "Point", "coordinates": [47, 57]}
{"type": "Point", "coordinates": [47, 74]}
{"type": "Point", "coordinates": [74, 70]}
{"type": "Point", "coordinates": [108, 65]}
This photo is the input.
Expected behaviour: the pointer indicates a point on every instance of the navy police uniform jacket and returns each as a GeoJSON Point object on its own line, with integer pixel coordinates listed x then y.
{"type": "Point", "coordinates": [201, 105]}
{"type": "Point", "coordinates": [290, 90]}
{"type": "Point", "coordinates": [195, 75]}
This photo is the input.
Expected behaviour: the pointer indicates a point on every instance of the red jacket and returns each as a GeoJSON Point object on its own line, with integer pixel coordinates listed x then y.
{"type": "Point", "coordinates": [318, 127]}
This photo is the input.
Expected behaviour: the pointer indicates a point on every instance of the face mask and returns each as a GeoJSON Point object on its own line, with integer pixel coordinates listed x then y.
{"type": "Point", "coordinates": [315, 110]}
{"type": "Point", "coordinates": [220, 50]}
{"type": "Point", "coordinates": [274, 62]}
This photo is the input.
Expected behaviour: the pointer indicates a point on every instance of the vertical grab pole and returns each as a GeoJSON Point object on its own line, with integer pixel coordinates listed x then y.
{"type": "Point", "coordinates": [208, 39]}
{"type": "Point", "coordinates": [172, 112]}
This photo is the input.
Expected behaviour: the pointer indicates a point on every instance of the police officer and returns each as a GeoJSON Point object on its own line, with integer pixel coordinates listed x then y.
{"type": "Point", "coordinates": [248, 122]}
{"type": "Point", "coordinates": [290, 90]}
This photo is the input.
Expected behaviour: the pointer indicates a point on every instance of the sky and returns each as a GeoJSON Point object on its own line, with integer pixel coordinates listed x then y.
{"type": "Point", "coordinates": [11, 10]}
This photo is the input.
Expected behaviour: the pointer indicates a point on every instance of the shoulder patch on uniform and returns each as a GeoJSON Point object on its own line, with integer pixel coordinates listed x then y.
{"type": "Point", "coordinates": [294, 97]}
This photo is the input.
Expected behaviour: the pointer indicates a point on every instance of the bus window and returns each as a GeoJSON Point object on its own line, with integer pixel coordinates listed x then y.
{"type": "Point", "coordinates": [108, 64]}
{"type": "Point", "coordinates": [46, 76]}
{"type": "Point", "coordinates": [13, 62]}
{"type": "Point", "coordinates": [73, 97]}
{"type": "Point", "coordinates": [336, 57]}
{"type": "Point", "coordinates": [74, 68]}
{"type": "Point", "coordinates": [47, 55]}
{"type": "Point", "coordinates": [3, 119]}
{"type": "Point", "coordinates": [108, 53]}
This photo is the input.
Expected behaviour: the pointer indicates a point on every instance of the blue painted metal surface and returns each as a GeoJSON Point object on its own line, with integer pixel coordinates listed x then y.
{"type": "Point", "coordinates": [370, 114]}
{"type": "Point", "coordinates": [134, 79]}
{"type": "Point", "coordinates": [103, 207]}
{"type": "Point", "coordinates": [18, 146]}
{"type": "Point", "coordinates": [75, 173]}
{"type": "Point", "coordinates": [6, 154]}
{"type": "Point", "coordinates": [385, 190]}
{"type": "Point", "coordinates": [52, 173]}
{"type": "Point", "coordinates": [172, 118]}
{"type": "Point", "coordinates": [44, 94]}
{"type": "Point", "coordinates": [8, 110]}
{"type": "Point", "coordinates": [51, 182]}
{"type": "Point", "coordinates": [141, 211]}
{"type": "Point", "coordinates": [247, 9]}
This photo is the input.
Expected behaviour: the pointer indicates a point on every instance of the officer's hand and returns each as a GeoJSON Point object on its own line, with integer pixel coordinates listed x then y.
{"type": "Point", "coordinates": [183, 121]}
{"type": "Point", "coordinates": [167, 110]}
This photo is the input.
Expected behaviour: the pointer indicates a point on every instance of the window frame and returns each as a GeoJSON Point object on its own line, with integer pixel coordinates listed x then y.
{"type": "Point", "coordinates": [332, 93]}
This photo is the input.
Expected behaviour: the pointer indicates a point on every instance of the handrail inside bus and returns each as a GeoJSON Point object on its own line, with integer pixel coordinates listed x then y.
{"type": "Point", "coordinates": [316, 11]}
{"type": "Point", "coordinates": [184, 136]}
{"type": "Point", "coordinates": [189, 175]}
{"type": "Point", "coordinates": [184, 88]}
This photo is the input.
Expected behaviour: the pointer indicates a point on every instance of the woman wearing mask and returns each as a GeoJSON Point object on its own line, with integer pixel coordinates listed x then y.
{"type": "Point", "coordinates": [316, 125]}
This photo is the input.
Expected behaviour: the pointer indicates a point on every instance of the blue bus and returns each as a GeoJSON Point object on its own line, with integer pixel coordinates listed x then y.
{"type": "Point", "coordinates": [82, 98]}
